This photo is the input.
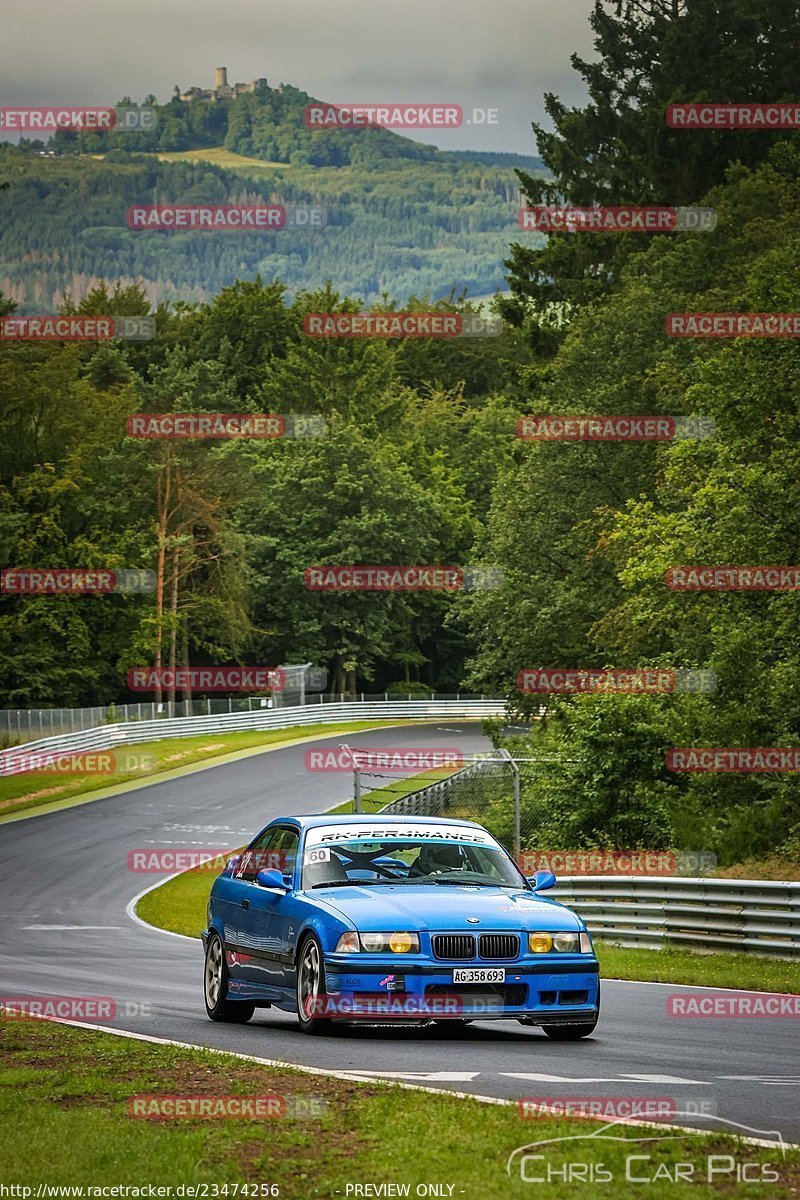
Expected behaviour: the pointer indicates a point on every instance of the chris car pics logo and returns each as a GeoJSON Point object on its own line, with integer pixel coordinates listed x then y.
{"type": "Point", "coordinates": [618, 1153]}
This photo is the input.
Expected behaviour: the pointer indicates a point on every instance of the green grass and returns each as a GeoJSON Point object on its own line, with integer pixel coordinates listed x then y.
{"type": "Point", "coordinates": [752, 972]}
{"type": "Point", "coordinates": [36, 788]}
{"type": "Point", "coordinates": [64, 1110]}
{"type": "Point", "coordinates": [180, 905]}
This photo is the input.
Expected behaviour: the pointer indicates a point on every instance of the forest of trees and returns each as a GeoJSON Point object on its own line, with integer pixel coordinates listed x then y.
{"type": "Point", "coordinates": [420, 463]}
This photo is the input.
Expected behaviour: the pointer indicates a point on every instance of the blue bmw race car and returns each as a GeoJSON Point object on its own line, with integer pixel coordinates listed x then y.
{"type": "Point", "coordinates": [384, 918]}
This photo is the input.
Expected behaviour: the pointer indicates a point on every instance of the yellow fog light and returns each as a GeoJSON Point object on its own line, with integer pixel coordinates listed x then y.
{"type": "Point", "coordinates": [401, 943]}
{"type": "Point", "coordinates": [540, 943]}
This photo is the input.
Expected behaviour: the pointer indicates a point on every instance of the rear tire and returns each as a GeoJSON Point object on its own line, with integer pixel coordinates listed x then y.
{"type": "Point", "coordinates": [311, 987]}
{"type": "Point", "coordinates": [215, 987]}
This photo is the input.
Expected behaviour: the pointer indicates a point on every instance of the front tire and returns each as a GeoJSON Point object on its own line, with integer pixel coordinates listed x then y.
{"type": "Point", "coordinates": [215, 987]}
{"type": "Point", "coordinates": [570, 1033]}
{"type": "Point", "coordinates": [311, 987]}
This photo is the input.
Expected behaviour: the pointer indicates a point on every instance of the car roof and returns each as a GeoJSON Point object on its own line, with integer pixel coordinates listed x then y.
{"type": "Point", "coordinates": [314, 820]}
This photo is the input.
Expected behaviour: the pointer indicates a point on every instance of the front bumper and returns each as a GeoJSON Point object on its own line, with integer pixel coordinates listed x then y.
{"type": "Point", "coordinates": [563, 992]}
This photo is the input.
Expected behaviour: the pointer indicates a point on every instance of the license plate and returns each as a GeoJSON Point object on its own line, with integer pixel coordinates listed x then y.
{"type": "Point", "coordinates": [479, 975]}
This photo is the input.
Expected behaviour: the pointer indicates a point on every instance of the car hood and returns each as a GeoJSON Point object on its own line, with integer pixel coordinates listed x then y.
{"type": "Point", "coordinates": [434, 907]}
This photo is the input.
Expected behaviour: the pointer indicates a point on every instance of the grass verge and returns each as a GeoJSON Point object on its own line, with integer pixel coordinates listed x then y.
{"type": "Point", "coordinates": [65, 1108]}
{"type": "Point", "coordinates": [36, 788]}
{"type": "Point", "coordinates": [751, 972]}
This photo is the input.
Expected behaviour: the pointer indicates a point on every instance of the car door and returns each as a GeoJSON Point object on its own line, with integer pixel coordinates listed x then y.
{"type": "Point", "coordinates": [264, 923]}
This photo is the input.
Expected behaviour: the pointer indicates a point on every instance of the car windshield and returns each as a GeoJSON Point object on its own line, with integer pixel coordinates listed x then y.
{"type": "Point", "coordinates": [439, 856]}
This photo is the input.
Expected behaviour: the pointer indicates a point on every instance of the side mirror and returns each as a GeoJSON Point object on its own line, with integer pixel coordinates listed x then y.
{"type": "Point", "coordinates": [542, 880]}
{"type": "Point", "coordinates": [270, 878]}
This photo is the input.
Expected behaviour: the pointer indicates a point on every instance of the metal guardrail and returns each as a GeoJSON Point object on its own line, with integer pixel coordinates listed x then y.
{"type": "Point", "coordinates": [707, 914]}
{"type": "Point", "coordinates": [108, 737]}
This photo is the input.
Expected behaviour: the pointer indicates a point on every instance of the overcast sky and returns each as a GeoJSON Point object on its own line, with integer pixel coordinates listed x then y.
{"type": "Point", "coordinates": [482, 54]}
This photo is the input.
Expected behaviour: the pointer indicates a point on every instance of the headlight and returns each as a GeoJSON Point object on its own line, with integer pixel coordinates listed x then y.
{"type": "Point", "coordinates": [540, 943]}
{"type": "Point", "coordinates": [562, 943]}
{"type": "Point", "coordinates": [379, 943]}
{"type": "Point", "coordinates": [402, 943]}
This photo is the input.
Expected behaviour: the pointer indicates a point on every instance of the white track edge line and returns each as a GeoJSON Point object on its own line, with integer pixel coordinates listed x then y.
{"type": "Point", "coordinates": [130, 909]}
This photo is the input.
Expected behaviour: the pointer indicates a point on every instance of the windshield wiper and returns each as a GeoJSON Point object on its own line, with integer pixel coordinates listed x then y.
{"type": "Point", "coordinates": [349, 883]}
{"type": "Point", "coordinates": [464, 883]}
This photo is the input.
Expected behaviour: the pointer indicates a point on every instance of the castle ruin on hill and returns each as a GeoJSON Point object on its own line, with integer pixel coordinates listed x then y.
{"type": "Point", "coordinates": [222, 90]}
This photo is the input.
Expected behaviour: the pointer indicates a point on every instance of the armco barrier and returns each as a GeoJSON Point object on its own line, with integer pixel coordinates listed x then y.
{"type": "Point", "coordinates": [108, 737]}
{"type": "Point", "coordinates": [706, 914]}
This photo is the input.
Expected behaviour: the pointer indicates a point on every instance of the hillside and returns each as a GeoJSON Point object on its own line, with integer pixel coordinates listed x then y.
{"type": "Point", "coordinates": [403, 218]}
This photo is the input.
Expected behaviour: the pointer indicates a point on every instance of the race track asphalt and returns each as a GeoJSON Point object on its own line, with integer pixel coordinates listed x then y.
{"type": "Point", "coordinates": [65, 887]}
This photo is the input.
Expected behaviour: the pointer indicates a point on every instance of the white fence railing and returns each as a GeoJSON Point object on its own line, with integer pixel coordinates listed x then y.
{"type": "Point", "coordinates": [108, 737]}
{"type": "Point", "coordinates": [706, 914]}
{"type": "Point", "coordinates": [19, 725]}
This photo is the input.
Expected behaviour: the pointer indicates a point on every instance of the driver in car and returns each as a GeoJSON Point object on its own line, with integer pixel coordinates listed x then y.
{"type": "Point", "coordinates": [437, 859]}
